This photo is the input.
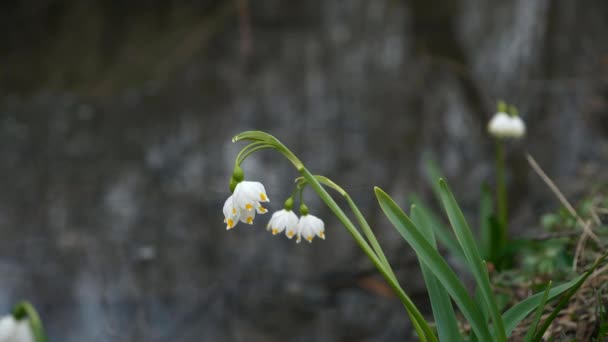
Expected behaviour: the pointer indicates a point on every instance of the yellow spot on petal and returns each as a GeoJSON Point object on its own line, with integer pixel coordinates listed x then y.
{"type": "Point", "coordinates": [309, 238]}
{"type": "Point", "coordinates": [250, 220]}
{"type": "Point", "coordinates": [275, 231]}
{"type": "Point", "coordinates": [262, 209]}
{"type": "Point", "coordinates": [233, 211]}
{"type": "Point", "coordinates": [230, 224]}
{"type": "Point", "coordinates": [248, 206]}
{"type": "Point", "coordinates": [322, 235]}
{"type": "Point", "coordinates": [290, 234]}
{"type": "Point", "coordinates": [263, 197]}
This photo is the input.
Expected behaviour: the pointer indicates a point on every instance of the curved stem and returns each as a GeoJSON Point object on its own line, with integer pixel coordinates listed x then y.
{"type": "Point", "coordinates": [422, 327]}
{"type": "Point", "coordinates": [25, 310]}
{"type": "Point", "coordinates": [249, 149]}
{"type": "Point", "coordinates": [367, 230]}
{"type": "Point", "coordinates": [259, 136]}
{"type": "Point", "coordinates": [501, 197]}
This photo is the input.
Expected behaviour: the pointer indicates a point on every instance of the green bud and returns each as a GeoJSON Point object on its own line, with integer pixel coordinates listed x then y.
{"type": "Point", "coordinates": [288, 203]}
{"type": "Point", "coordinates": [19, 312]}
{"type": "Point", "coordinates": [513, 111]}
{"type": "Point", "coordinates": [303, 209]}
{"type": "Point", "coordinates": [501, 106]}
{"type": "Point", "coordinates": [238, 175]}
{"type": "Point", "coordinates": [233, 184]}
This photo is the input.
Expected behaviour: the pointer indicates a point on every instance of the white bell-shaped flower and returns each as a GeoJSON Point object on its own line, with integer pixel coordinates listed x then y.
{"type": "Point", "coordinates": [12, 330]}
{"type": "Point", "coordinates": [518, 127]}
{"type": "Point", "coordinates": [309, 226]}
{"type": "Point", "coordinates": [248, 195]}
{"type": "Point", "coordinates": [283, 220]}
{"type": "Point", "coordinates": [244, 203]}
{"type": "Point", "coordinates": [231, 213]}
{"type": "Point", "coordinates": [503, 125]}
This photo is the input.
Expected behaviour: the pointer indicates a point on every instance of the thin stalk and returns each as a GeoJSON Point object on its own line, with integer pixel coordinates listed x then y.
{"type": "Point", "coordinates": [501, 194]}
{"type": "Point", "coordinates": [249, 149]}
{"type": "Point", "coordinates": [412, 310]}
{"type": "Point", "coordinates": [422, 328]}
{"type": "Point", "coordinates": [367, 230]}
{"type": "Point", "coordinates": [26, 310]}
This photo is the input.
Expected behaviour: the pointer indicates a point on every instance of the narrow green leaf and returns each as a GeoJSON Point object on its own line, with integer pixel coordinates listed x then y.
{"type": "Point", "coordinates": [435, 263]}
{"type": "Point", "coordinates": [539, 312]}
{"type": "Point", "coordinates": [478, 267]}
{"type": "Point", "coordinates": [565, 299]}
{"type": "Point", "coordinates": [445, 318]}
{"type": "Point", "coordinates": [521, 310]}
{"type": "Point", "coordinates": [480, 304]}
{"type": "Point", "coordinates": [444, 235]}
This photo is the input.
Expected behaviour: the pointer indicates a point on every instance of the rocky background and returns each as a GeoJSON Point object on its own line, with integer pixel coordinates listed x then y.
{"type": "Point", "coordinates": [115, 127]}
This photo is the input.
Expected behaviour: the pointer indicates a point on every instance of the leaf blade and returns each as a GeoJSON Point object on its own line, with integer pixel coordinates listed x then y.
{"type": "Point", "coordinates": [435, 262]}
{"type": "Point", "coordinates": [441, 304]}
{"type": "Point", "coordinates": [469, 247]}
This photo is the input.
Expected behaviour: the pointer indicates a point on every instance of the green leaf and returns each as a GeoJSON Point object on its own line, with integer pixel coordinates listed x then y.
{"type": "Point", "coordinates": [444, 235]}
{"type": "Point", "coordinates": [564, 300]}
{"type": "Point", "coordinates": [440, 268]}
{"type": "Point", "coordinates": [478, 267]}
{"type": "Point", "coordinates": [521, 310]}
{"type": "Point", "coordinates": [480, 304]}
{"type": "Point", "coordinates": [445, 318]}
{"type": "Point", "coordinates": [539, 312]}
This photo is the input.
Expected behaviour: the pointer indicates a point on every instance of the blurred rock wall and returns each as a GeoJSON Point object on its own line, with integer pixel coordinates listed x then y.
{"type": "Point", "coordinates": [115, 127]}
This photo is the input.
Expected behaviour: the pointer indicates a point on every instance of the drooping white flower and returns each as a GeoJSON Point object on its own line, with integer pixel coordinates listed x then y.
{"type": "Point", "coordinates": [503, 125]}
{"type": "Point", "coordinates": [283, 220]}
{"type": "Point", "coordinates": [12, 330]}
{"type": "Point", "coordinates": [243, 204]}
{"type": "Point", "coordinates": [248, 195]}
{"type": "Point", "coordinates": [231, 213]}
{"type": "Point", "coordinates": [519, 127]}
{"type": "Point", "coordinates": [309, 226]}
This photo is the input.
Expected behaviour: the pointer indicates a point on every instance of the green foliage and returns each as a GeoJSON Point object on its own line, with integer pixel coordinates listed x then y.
{"type": "Point", "coordinates": [602, 315]}
{"type": "Point", "coordinates": [435, 262]}
{"type": "Point", "coordinates": [564, 300]}
{"type": "Point", "coordinates": [532, 330]}
{"type": "Point", "coordinates": [445, 318]}
{"type": "Point", "coordinates": [422, 231]}
{"type": "Point", "coordinates": [481, 312]}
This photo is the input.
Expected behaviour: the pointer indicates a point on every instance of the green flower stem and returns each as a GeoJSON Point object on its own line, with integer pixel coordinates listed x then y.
{"type": "Point", "coordinates": [371, 237]}
{"type": "Point", "coordinates": [25, 310]}
{"type": "Point", "coordinates": [420, 325]}
{"type": "Point", "coordinates": [249, 149]}
{"type": "Point", "coordinates": [263, 137]}
{"type": "Point", "coordinates": [501, 194]}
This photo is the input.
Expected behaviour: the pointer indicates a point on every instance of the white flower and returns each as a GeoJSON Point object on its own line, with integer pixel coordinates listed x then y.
{"type": "Point", "coordinates": [502, 125]}
{"type": "Point", "coordinates": [244, 203]}
{"type": "Point", "coordinates": [231, 213]}
{"type": "Point", "coordinates": [248, 195]}
{"type": "Point", "coordinates": [283, 220]}
{"type": "Point", "coordinates": [309, 226]}
{"type": "Point", "coordinates": [12, 330]}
